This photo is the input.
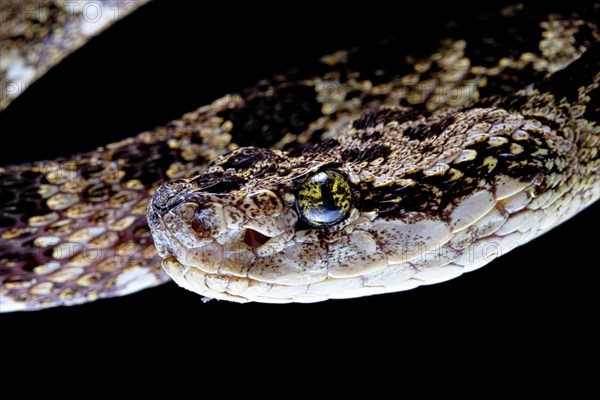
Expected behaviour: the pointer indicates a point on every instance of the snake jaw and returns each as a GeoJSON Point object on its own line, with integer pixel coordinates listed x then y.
{"type": "Point", "coordinates": [213, 234]}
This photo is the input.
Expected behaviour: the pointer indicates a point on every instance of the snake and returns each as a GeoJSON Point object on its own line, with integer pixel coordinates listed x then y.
{"type": "Point", "coordinates": [372, 170]}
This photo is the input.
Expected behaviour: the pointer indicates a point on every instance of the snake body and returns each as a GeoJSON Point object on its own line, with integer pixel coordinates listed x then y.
{"type": "Point", "coordinates": [368, 172]}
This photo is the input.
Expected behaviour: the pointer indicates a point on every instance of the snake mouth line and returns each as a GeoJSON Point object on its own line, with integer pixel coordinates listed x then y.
{"type": "Point", "coordinates": [213, 254]}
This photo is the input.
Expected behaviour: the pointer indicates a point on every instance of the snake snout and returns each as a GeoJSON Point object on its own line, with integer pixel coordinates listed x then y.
{"type": "Point", "coordinates": [169, 195]}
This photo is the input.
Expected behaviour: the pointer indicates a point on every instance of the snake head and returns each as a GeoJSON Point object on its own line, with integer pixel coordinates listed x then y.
{"type": "Point", "coordinates": [423, 205]}
{"type": "Point", "coordinates": [255, 220]}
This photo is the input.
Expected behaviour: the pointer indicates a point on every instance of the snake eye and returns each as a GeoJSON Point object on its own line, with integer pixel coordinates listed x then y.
{"type": "Point", "coordinates": [324, 199]}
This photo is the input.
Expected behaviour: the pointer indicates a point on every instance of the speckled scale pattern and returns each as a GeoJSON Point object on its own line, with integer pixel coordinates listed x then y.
{"type": "Point", "coordinates": [478, 176]}
{"type": "Point", "coordinates": [86, 215]}
{"type": "Point", "coordinates": [38, 34]}
{"type": "Point", "coordinates": [442, 184]}
{"type": "Point", "coordinates": [405, 130]}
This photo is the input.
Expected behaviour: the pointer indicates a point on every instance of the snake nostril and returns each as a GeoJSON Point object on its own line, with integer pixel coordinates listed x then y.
{"type": "Point", "coordinates": [167, 195]}
{"type": "Point", "coordinates": [161, 198]}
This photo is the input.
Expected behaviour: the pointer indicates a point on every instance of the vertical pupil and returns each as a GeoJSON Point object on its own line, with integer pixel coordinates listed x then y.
{"type": "Point", "coordinates": [324, 199]}
{"type": "Point", "coordinates": [327, 195]}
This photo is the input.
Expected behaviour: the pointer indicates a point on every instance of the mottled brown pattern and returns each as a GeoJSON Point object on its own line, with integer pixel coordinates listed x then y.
{"type": "Point", "coordinates": [35, 35]}
{"type": "Point", "coordinates": [417, 137]}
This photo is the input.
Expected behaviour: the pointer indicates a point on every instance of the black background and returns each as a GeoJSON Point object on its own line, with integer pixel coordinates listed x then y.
{"type": "Point", "coordinates": [171, 57]}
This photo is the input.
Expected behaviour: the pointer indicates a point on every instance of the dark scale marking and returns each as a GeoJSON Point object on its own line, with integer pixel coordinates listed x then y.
{"type": "Point", "coordinates": [149, 178]}
{"type": "Point", "coordinates": [20, 207]}
{"type": "Point", "coordinates": [31, 175]}
{"type": "Point", "coordinates": [218, 182]}
{"type": "Point", "coordinates": [490, 38]}
{"type": "Point", "coordinates": [395, 199]}
{"type": "Point", "coordinates": [298, 150]}
{"type": "Point", "coordinates": [247, 157]}
{"type": "Point", "coordinates": [92, 171]}
{"type": "Point", "coordinates": [97, 193]}
{"type": "Point", "coordinates": [160, 156]}
{"type": "Point", "coordinates": [315, 138]}
{"type": "Point", "coordinates": [424, 131]}
{"type": "Point", "coordinates": [31, 193]}
{"type": "Point", "coordinates": [509, 80]}
{"type": "Point", "coordinates": [512, 103]}
{"type": "Point", "coordinates": [368, 154]}
{"type": "Point", "coordinates": [253, 161]}
{"type": "Point", "coordinates": [544, 120]}
{"type": "Point", "coordinates": [585, 33]}
{"type": "Point", "coordinates": [263, 120]}
{"type": "Point", "coordinates": [353, 94]}
{"type": "Point", "coordinates": [372, 100]}
{"type": "Point", "coordinates": [6, 197]}
{"type": "Point", "coordinates": [6, 221]}
{"type": "Point", "coordinates": [295, 149]}
{"type": "Point", "coordinates": [373, 118]}
{"type": "Point", "coordinates": [566, 83]}
{"type": "Point", "coordinates": [15, 185]}
{"type": "Point", "coordinates": [414, 132]}
{"type": "Point", "coordinates": [155, 158]}
{"type": "Point", "coordinates": [351, 154]}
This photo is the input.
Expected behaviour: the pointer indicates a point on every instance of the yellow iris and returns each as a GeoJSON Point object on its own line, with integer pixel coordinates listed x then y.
{"type": "Point", "coordinates": [324, 199]}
